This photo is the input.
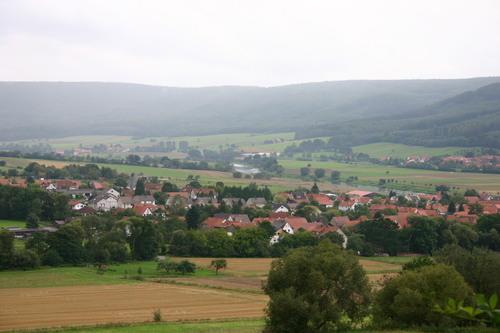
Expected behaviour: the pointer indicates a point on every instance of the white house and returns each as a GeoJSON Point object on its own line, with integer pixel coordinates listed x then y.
{"type": "Point", "coordinates": [282, 209]}
{"type": "Point", "coordinates": [78, 206]}
{"type": "Point", "coordinates": [104, 202]}
{"type": "Point", "coordinates": [113, 193]}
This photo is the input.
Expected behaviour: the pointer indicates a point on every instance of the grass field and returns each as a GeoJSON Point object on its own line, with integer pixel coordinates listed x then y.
{"type": "Point", "coordinates": [386, 149]}
{"type": "Point", "coordinates": [202, 142]}
{"type": "Point", "coordinates": [12, 223]}
{"type": "Point", "coordinates": [369, 174]}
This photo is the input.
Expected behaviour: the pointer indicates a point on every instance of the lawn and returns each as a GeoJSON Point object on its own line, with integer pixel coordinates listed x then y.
{"type": "Point", "coordinates": [385, 149]}
{"type": "Point", "coordinates": [12, 223]}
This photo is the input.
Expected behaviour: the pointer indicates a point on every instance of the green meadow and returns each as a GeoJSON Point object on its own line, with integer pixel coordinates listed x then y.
{"type": "Point", "coordinates": [386, 149]}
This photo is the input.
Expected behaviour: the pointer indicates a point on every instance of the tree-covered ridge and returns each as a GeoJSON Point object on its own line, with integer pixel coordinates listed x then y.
{"type": "Point", "coordinates": [469, 119]}
{"type": "Point", "coordinates": [43, 109]}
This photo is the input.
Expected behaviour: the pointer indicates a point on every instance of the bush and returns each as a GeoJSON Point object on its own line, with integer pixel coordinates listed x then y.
{"type": "Point", "coordinates": [25, 259]}
{"type": "Point", "coordinates": [418, 263]}
{"type": "Point", "coordinates": [52, 258]}
{"type": "Point", "coordinates": [157, 316]}
{"type": "Point", "coordinates": [409, 299]}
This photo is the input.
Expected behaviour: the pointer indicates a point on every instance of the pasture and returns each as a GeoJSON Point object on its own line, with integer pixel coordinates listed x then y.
{"type": "Point", "coordinates": [395, 150]}
{"type": "Point", "coordinates": [12, 223]}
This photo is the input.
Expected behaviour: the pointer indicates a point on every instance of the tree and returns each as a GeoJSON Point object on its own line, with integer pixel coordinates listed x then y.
{"type": "Point", "coordinates": [139, 187]}
{"type": "Point", "coordinates": [409, 299]}
{"type": "Point", "coordinates": [143, 239]}
{"type": "Point", "coordinates": [479, 267]}
{"type": "Point", "coordinates": [335, 177]}
{"type": "Point", "coordinates": [169, 187]}
{"type": "Point", "coordinates": [315, 289]}
{"type": "Point", "coordinates": [6, 248]}
{"type": "Point", "coordinates": [304, 172]}
{"type": "Point", "coordinates": [218, 264]}
{"type": "Point", "coordinates": [68, 243]}
{"type": "Point", "coordinates": [315, 189]}
{"type": "Point", "coordinates": [382, 233]}
{"type": "Point", "coordinates": [319, 173]}
{"type": "Point", "coordinates": [422, 235]}
{"type": "Point", "coordinates": [193, 217]}
{"type": "Point", "coordinates": [32, 221]}
{"type": "Point", "coordinates": [185, 267]}
{"type": "Point", "coordinates": [452, 208]}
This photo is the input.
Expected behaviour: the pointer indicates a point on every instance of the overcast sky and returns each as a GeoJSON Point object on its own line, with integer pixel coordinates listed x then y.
{"type": "Point", "coordinates": [236, 42]}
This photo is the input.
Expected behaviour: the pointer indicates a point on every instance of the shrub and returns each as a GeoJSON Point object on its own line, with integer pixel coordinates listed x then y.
{"type": "Point", "coordinates": [52, 258]}
{"type": "Point", "coordinates": [418, 263]}
{"type": "Point", "coordinates": [409, 299]}
{"type": "Point", "coordinates": [157, 316]}
{"type": "Point", "coordinates": [25, 259]}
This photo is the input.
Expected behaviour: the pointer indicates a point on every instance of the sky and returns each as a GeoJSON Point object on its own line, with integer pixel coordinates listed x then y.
{"type": "Point", "coordinates": [247, 42]}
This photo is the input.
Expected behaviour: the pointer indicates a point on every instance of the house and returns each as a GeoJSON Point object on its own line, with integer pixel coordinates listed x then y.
{"type": "Point", "coordinates": [144, 210]}
{"type": "Point", "coordinates": [230, 202]}
{"type": "Point", "coordinates": [126, 202]}
{"type": "Point", "coordinates": [339, 221]}
{"type": "Point", "coordinates": [143, 199]}
{"type": "Point", "coordinates": [51, 187]}
{"type": "Point", "coordinates": [346, 205]}
{"type": "Point", "coordinates": [98, 186]}
{"type": "Point", "coordinates": [67, 184]}
{"type": "Point", "coordinates": [205, 201]}
{"type": "Point", "coordinates": [86, 211]}
{"type": "Point", "coordinates": [256, 202]}
{"type": "Point", "coordinates": [241, 218]}
{"type": "Point", "coordinates": [360, 194]}
{"type": "Point", "coordinates": [76, 205]}
{"type": "Point", "coordinates": [152, 188]}
{"type": "Point", "coordinates": [104, 202]}
{"type": "Point", "coordinates": [113, 193]}
{"type": "Point", "coordinates": [281, 209]}
{"type": "Point", "coordinates": [321, 199]}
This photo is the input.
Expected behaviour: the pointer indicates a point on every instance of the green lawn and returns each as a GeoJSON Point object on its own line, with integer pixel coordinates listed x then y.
{"type": "Point", "coordinates": [87, 275]}
{"type": "Point", "coordinates": [385, 149]}
{"type": "Point", "coordinates": [12, 223]}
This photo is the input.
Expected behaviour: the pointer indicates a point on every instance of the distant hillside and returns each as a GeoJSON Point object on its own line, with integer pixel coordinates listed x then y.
{"type": "Point", "coordinates": [55, 109]}
{"type": "Point", "coordinates": [471, 118]}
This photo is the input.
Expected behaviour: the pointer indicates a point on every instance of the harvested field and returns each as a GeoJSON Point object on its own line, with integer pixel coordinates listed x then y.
{"type": "Point", "coordinates": [26, 308]}
{"type": "Point", "coordinates": [239, 283]}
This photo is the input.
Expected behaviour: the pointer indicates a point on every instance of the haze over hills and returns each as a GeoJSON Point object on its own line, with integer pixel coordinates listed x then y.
{"type": "Point", "coordinates": [408, 111]}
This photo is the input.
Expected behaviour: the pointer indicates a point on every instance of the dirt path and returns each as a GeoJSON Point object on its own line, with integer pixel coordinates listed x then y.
{"type": "Point", "coordinates": [27, 308]}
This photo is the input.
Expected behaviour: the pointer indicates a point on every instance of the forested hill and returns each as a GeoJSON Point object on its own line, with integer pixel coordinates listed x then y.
{"type": "Point", "coordinates": [55, 109]}
{"type": "Point", "coordinates": [468, 119]}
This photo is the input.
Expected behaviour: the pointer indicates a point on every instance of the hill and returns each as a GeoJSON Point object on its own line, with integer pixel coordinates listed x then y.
{"type": "Point", "coordinates": [55, 109]}
{"type": "Point", "coordinates": [469, 119]}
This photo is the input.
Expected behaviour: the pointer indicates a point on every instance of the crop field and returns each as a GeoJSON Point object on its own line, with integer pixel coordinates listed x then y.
{"type": "Point", "coordinates": [75, 296]}
{"type": "Point", "coordinates": [64, 306]}
{"type": "Point", "coordinates": [386, 149]}
{"type": "Point", "coordinates": [369, 174]}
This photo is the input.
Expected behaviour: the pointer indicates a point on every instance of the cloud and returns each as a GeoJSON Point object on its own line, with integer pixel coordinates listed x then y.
{"type": "Point", "coordinates": [197, 43]}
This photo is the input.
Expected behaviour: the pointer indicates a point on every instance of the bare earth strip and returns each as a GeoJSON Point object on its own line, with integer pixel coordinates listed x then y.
{"type": "Point", "coordinates": [27, 308]}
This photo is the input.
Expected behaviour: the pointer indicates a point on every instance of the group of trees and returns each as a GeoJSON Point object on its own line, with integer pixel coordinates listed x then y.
{"type": "Point", "coordinates": [18, 203]}
{"type": "Point", "coordinates": [323, 288]}
{"type": "Point", "coordinates": [72, 171]}
{"type": "Point", "coordinates": [423, 235]}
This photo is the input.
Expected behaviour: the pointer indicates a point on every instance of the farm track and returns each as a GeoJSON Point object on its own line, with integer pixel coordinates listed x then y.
{"type": "Point", "coordinates": [29, 308]}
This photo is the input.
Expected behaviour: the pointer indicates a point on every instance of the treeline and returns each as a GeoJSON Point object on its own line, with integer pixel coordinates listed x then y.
{"type": "Point", "coordinates": [246, 192]}
{"type": "Point", "coordinates": [132, 159]}
{"type": "Point", "coordinates": [17, 203]}
{"type": "Point", "coordinates": [73, 171]}
{"type": "Point", "coordinates": [423, 235]}
{"type": "Point", "coordinates": [104, 239]}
